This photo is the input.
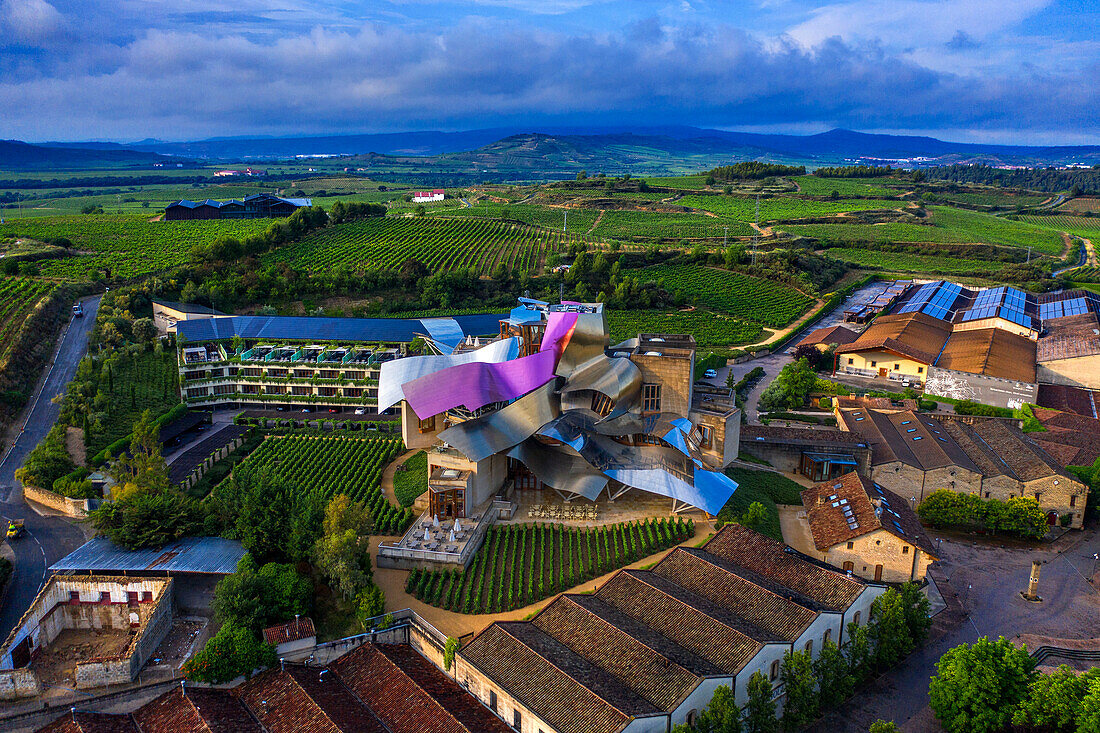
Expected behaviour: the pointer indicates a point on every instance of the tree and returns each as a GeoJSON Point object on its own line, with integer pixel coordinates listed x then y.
{"type": "Point", "coordinates": [889, 630]}
{"type": "Point", "coordinates": [270, 516]}
{"type": "Point", "coordinates": [144, 329]}
{"type": "Point", "coordinates": [721, 715]}
{"type": "Point", "coordinates": [582, 175]}
{"type": "Point", "coordinates": [1088, 715]}
{"type": "Point", "coordinates": [48, 461]}
{"type": "Point", "coordinates": [857, 653]}
{"type": "Point", "coordinates": [883, 726]}
{"type": "Point", "coordinates": [790, 388]}
{"type": "Point", "coordinates": [233, 651]}
{"type": "Point", "coordinates": [344, 561]}
{"type": "Point", "coordinates": [449, 650]}
{"type": "Point", "coordinates": [917, 612]}
{"type": "Point", "coordinates": [148, 518]}
{"type": "Point", "coordinates": [258, 597]}
{"type": "Point", "coordinates": [977, 687]}
{"type": "Point", "coordinates": [802, 703]}
{"type": "Point", "coordinates": [760, 707]}
{"type": "Point", "coordinates": [834, 678]}
{"type": "Point", "coordinates": [421, 211]}
{"type": "Point", "coordinates": [143, 467]}
{"type": "Point", "coordinates": [1053, 700]}
{"type": "Point", "coordinates": [755, 517]}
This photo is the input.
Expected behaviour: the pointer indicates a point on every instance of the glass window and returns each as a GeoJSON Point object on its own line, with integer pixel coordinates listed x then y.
{"type": "Point", "coordinates": [651, 398]}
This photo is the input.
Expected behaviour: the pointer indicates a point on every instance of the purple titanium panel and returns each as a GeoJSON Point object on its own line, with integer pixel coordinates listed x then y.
{"type": "Point", "coordinates": [559, 327]}
{"type": "Point", "coordinates": [477, 384]}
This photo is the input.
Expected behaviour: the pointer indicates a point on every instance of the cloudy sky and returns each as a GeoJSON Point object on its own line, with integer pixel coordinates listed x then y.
{"type": "Point", "coordinates": [1024, 71]}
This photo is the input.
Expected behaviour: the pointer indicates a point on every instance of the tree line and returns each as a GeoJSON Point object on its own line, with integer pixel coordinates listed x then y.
{"type": "Point", "coordinates": [854, 171]}
{"type": "Point", "coordinates": [754, 170]}
{"type": "Point", "coordinates": [1075, 180]}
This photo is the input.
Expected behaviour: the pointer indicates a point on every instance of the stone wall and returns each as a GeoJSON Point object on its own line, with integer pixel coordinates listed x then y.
{"type": "Point", "coordinates": [901, 561]}
{"type": "Point", "coordinates": [69, 507]}
{"type": "Point", "coordinates": [1082, 371]}
{"type": "Point", "coordinates": [787, 457]}
{"type": "Point", "coordinates": [674, 374]}
{"type": "Point", "coordinates": [16, 683]}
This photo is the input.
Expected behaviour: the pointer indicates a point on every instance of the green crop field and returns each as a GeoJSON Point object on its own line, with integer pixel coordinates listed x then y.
{"type": "Point", "coordinates": [1084, 275]}
{"type": "Point", "coordinates": [817, 186]}
{"type": "Point", "coordinates": [580, 220]}
{"type": "Point", "coordinates": [686, 183]}
{"type": "Point", "coordinates": [337, 465]}
{"type": "Point", "coordinates": [767, 487]}
{"type": "Point", "coordinates": [709, 329]}
{"type": "Point", "coordinates": [889, 232]}
{"type": "Point", "coordinates": [440, 243]}
{"type": "Point", "coordinates": [781, 208]}
{"type": "Point", "coordinates": [979, 227]}
{"type": "Point", "coordinates": [905, 262]}
{"type": "Point", "coordinates": [1083, 226]}
{"type": "Point", "coordinates": [132, 383]}
{"type": "Point", "coordinates": [128, 246]}
{"type": "Point", "coordinates": [519, 564]}
{"type": "Point", "coordinates": [751, 298]}
{"type": "Point", "coordinates": [413, 480]}
{"type": "Point", "coordinates": [18, 297]}
{"type": "Point", "coordinates": [994, 198]}
{"type": "Point", "coordinates": [652, 225]}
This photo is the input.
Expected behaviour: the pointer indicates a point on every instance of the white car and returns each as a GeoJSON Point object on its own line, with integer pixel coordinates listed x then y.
{"type": "Point", "coordinates": [360, 411]}
{"type": "Point", "coordinates": [710, 373]}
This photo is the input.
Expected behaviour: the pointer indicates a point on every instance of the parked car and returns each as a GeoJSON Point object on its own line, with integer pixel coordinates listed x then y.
{"type": "Point", "coordinates": [333, 410]}
{"type": "Point", "coordinates": [710, 373]}
{"type": "Point", "coordinates": [360, 411]}
{"type": "Point", "coordinates": [306, 409]}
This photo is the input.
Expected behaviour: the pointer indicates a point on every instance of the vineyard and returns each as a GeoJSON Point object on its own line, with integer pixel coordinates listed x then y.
{"type": "Point", "coordinates": [1001, 199]}
{"type": "Point", "coordinates": [978, 227]}
{"type": "Point", "coordinates": [1084, 275]}
{"type": "Point", "coordinates": [686, 183]}
{"type": "Point", "coordinates": [709, 329]}
{"type": "Point", "coordinates": [781, 208]}
{"type": "Point", "coordinates": [413, 481]}
{"type": "Point", "coordinates": [904, 262]}
{"type": "Point", "coordinates": [580, 220]}
{"type": "Point", "coordinates": [519, 564]}
{"type": "Point", "coordinates": [889, 232]}
{"type": "Point", "coordinates": [18, 297]}
{"type": "Point", "coordinates": [337, 465]}
{"type": "Point", "coordinates": [132, 383]}
{"type": "Point", "coordinates": [126, 245]}
{"type": "Point", "coordinates": [440, 243]}
{"type": "Point", "coordinates": [751, 298]}
{"type": "Point", "coordinates": [1082, 226]}
{"type": "Point", "coordinates": [815, 186]}
{"type": "Point", "coordinates": [631, 225]}
{"type": "Point", "coordinates": [766, 487]}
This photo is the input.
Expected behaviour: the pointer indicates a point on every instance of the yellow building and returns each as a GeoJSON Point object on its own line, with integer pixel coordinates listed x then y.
{"type": "Point", "coordinates": [896, 346]}
{"type": "Point", "coordinates": [864, 529]}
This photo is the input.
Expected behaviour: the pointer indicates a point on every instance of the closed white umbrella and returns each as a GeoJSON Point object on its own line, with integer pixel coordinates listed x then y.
{"type": "Point", "coordinates": [458, 527]}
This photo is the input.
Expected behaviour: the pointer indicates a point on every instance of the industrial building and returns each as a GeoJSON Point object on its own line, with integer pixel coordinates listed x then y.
{"type": "Point", "coordinates": [257, 206]}
{"type": "Point", "coordinates": [647, 649]}
{"type": "Point", "coordinates": [992, 346]}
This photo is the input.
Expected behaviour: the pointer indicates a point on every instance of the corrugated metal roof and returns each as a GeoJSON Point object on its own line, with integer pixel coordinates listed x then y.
{"type": "Point", "coordinates": [302, 328]}
{"type": "Point", "coordinates": [214, 555]}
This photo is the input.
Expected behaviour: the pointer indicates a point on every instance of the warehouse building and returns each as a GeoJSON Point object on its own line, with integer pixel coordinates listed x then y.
{"type": "Point", "coordinates": [257, 206]}
{"type": "Point", "coordinates": [647, 650]}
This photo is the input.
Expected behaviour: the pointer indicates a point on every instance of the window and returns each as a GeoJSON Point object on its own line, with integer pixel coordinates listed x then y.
{"type": "Point", "coordinates": [601, 404]}
{"type": "Point", "coordinates": [851, 360]}
{"type": "Point", "coordinates": [773, 673]}
{"type": "Point", "coordinates": [706, 439]}
{"type": "Point", "coordinates": [897, 367]}
{"type": "Point", "coordinates": [855, 619]}
{"type": "Point", "coordinates": [1073, 501]}
{"type": "Point", "coordinates": [810, 646]}
{"type": "Point", "coordinates": [692, 717]}
{"type": "Point", "coordinates": [851, 545]}
{"type": "Point", "coordinates": [828, 636]}
{"type": "Point", "coordinates": [905, 549]}
{"type": "Point", "coordinates": [651, 398]}
{"type": "Point", "coordinates": [517, 720]}
{"type": "Point", "coordinates": [920, 370]}
{"type": "Point", "coordinates": [427, 425]}
{"type": "Point", "coordinates": [874, 363]}
{"type": "Point", "coordinates": [987, 494]}
{"type": "Point", "coordinates": [1038, 495]}
{"type": "Point", "coordinates": [493, 700]}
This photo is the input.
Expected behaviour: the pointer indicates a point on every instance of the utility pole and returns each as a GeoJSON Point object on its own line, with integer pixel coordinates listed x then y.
{"type": "Point", "coordinates": [565, 224]}
{"type": "Point", "coordinates": [725, 237]}
{"type": "Point", "coordinates": [755, 230]}
{"type": "Point", "coordinates": [1029, 255]}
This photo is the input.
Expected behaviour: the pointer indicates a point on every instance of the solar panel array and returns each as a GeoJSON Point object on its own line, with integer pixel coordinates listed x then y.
{"type": "Point", "coordinates": [1072, 307]}
{"type": "Point", "coordinates": [936, 299]}
{"type": "Point", "coordinates": [1000, 302]}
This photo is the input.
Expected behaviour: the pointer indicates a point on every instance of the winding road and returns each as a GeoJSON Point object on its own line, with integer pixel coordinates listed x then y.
{"type": "Point", "coordinates": [47, 538]}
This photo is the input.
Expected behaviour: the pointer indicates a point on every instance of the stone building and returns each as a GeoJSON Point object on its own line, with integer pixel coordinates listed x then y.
{"type": "Point", "coordinates": [647, 650]}
{"type": "Point", "coordinates": [914, 455]}
{"type": "Point", "coordinates": [817, 454]}
{"type": "Point", "coordinates": [866, 530]}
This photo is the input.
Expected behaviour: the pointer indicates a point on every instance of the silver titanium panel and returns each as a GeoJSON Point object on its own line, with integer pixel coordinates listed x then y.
{"type": "Point", "coordinates": [620, 379]}
{"type": "Point", "coordinates": [559, 469]}
{"type": "Point", "coordinates": [588, 341]}
{"type": "Point", "coordinates": [498, 431]}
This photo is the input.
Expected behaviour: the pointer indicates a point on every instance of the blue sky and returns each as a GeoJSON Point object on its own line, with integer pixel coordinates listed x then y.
{"type": "Point", "coordinates": [1025, 71]}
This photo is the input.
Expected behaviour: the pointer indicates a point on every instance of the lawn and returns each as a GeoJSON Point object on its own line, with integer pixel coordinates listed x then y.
{"type": "Point", "coordinates": [410, 483]}
{"type": "Point", "coordinates": [817, 186]}
{"type": "Point", "coordinates": [767, 487]}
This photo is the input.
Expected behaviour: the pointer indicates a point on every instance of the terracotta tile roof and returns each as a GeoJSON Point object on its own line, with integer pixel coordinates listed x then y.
{"type": "Point", "coordinates": [301, 699]}
{"type": "Point", "coordinates": [562, 688]}
{"type": "Point", "coordinates": [829, 335]}
{"type": "Point", "coordinates": [717, 580]}
{"type": "Point", "coordinates": [651, 665]}
{"type": "Point", "coordinates": [1070, 399]}
{"type": "Point", "coordinates": [91, 723]}
{"type": "Point", "coordinates": [1067, 454]}
{"type": "Point", "coordinates": [1025, 459]}
{"type": "Point", "coordinates": [296, 630]}
{"type": "Point", "coordinates": [917, 336]}
{"type": "Point", "coordinates": [827, 501]}
{"type": "Point", "coordinates": [1071, 439]}
{"type": "Point", "coordinates": [410, 695]}
{"type": "Point", "coordinates": [992, 352]}
{"type": "Point", "coordinates": [796, 436]}
{"type": "Point", "coordinates": [911, 438]}
{"type": "Point", "coordinates": [195, 710]}
{"type": "Point", "coordinates": [772, 559]}
{"type": "Point", "coordinates": [712, 631]}
{"type": "Point", "coordinates": [875, 403]}
{"type": "Point", "coordinates": [1069, 337]}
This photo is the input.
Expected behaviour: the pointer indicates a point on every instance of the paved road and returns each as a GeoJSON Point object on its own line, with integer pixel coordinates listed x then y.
{"type": "Point", "coordinates": [47, 539]}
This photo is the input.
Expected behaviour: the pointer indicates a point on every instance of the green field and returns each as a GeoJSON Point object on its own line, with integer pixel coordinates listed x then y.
{"type": "Point", "coordinates": [889, 232]}
{"type": "Point", "coordinates": [817, 186]}
{"type": "Point", "coordinates": [994, 198]}
{"type": "Point", "coordinates": [709, 329]}
{"type": "Point", "coordinates": [1084, 275]}
{"type": "Point", "coordinates": [411, 482]}
{"type": "Point", "coordinates": [980, 227]}
{"type": "Point", "coordinates": [580, 220]}
{"type": "Point", "coordinates": [652, 225]}
{"type": "Point", "coordinates": [767, 487]}
{"type": "Point", "coordinates": [519, 564]}
{"type": "Point", "coordinates": [905, 262]}
{"type": "Point", "coordinates": [337, 465]}
{"type": "Point", "coordinates": [751, 298]}
{"type": "Point", "coordinates": [440, 243]}
{"type": "Point", "coordinates": [127, 246]}
{"type": "Point", "coordinates": [1083, 226]}
{"type": "Point", "coordinates": [781, 208]}
{"type": "Point", "coordinates": [131, 383]}
{"type": "Point", "coordinates": [18, 297]}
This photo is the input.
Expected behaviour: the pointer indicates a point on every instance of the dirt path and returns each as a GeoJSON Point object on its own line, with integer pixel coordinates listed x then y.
{"type": "Point", "coordinates": [74, 444]}
{"type": "Point", "coordinates": [1090, 253]}
{"type": "Point", "coordinates": [784, 331]}
{"type": "Point", "coordinates": [766, 231]}
{"type": "Point", "coordinates": [392, 583]}
{"type": "Point", "coordinates": [390, 470]}
{"type": "Point", "coordinates": [596, 223]}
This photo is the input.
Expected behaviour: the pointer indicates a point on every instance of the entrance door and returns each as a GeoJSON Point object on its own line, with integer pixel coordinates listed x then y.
{"type": "Point", "coordinates": [878, 572]}
{"type": "Point", "coordinates": [1052, 518]}
{"type": "Point", "coordinates": [21, 654]}
{"type": "Point", "coordinates": [882, 371]}
{"type": "Point", "coordinates": [849, 567]}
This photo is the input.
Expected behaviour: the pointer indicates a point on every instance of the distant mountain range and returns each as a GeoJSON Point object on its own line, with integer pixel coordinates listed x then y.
{"type": "Point", "coordinates": [556, 151]}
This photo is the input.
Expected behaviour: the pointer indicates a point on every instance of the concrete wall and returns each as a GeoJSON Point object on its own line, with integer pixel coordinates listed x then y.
{"type": "Point", "coordinates": [762, 663]}
{"type": "Point", "coordinates": [1081, 371]}
{"type": "Point", "coordinates": [698, 699]}
{"type": "Point", "coordinates": [980, 388]}
{"type": "Point", "coordinates": [410, 429]}
{"type": "Point", "coordinates": [876, 360]}
{"type": "Point", "coordinates": [881, 548]}
{"type": "Point", "coordinates": [726, 436]}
